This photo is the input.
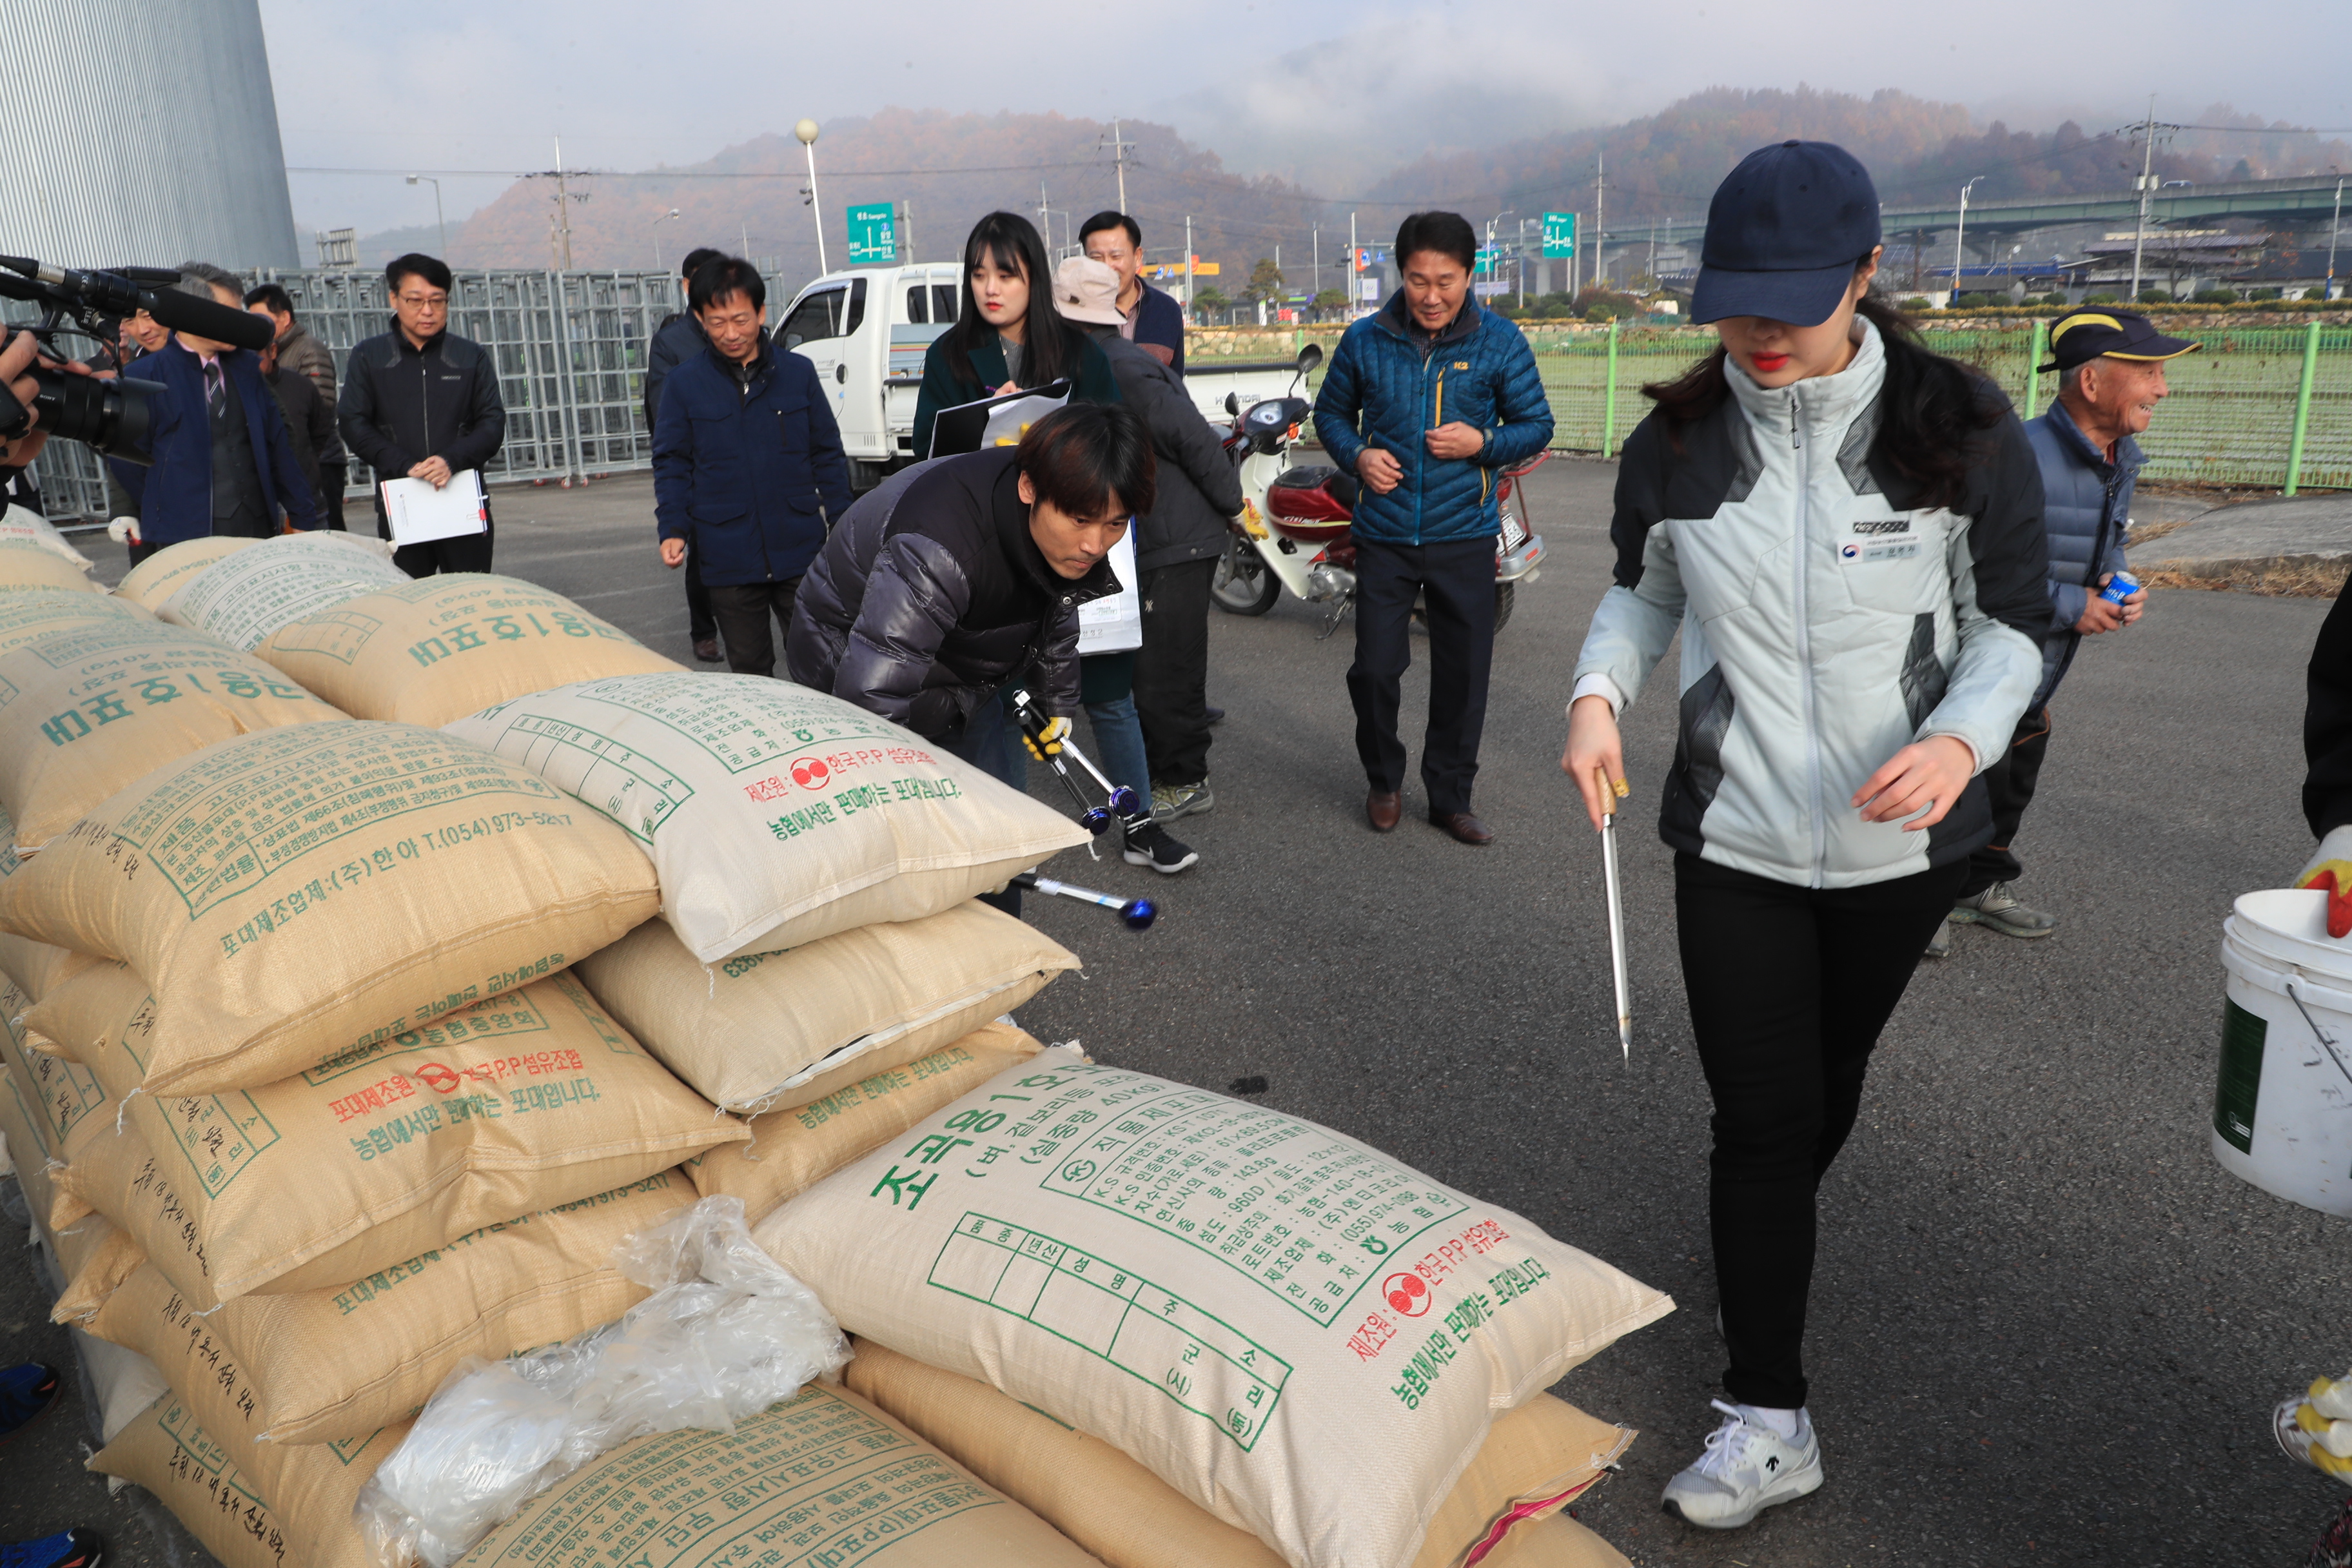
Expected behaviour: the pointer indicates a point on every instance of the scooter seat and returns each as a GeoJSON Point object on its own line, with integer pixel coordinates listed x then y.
{"type": "Point", "coordinates": [1313, 490]}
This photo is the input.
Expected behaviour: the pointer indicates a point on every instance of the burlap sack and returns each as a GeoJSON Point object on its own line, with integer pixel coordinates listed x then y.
{"type": "Point", "coordinates": [190, 1474]}
{"type": "Point", "coordinates": [25, 565]}
{"type": "Point", "coordinates": [510, 1106]}
{"type": "Point", "coordinates": [310, 891]}
{"type": "Point", "coordinates": [755, 1033]}
{"type": "Point", "coordinates": [242, 599]}
{"type": "Point", "coordinates": [309, 1486]}
{"type": "Point", "coordinates": [793, 1150]}
{"type": "Point", "coordinates": [153, 581]}
{"type": "Point", "coordinates": [89, 710]}
{"type": "Point", "coordinates": [823, 1480]}
{"type": "Point", "coordinates": [1227, 1294]}
{"type": "Point", "coordinates": [22, 525]}
{"type": "Point", "coordinates": [443, 646]}
{"type": "Point", "coordinates": [35, 967]}
{"type": "Point", "coordinates": [1536, 1460]}
{"type": "Point", "coordinates": [27, 615]}
{"type": "Point", "coordinates": [327, 1365]}
{"type": "Point", "coordinates": [777, 814]}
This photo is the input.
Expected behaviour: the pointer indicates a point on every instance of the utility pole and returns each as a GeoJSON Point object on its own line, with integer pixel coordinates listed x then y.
{"type": "Point", "coordinates": [2147, 129]}
{"type": "Point", "coordinates": [1959, 239]}
{"type": "Point", "coordinates": [562, 206]}
{"type": "Point", "coordinates": [907, 226]}
{"type": "Point", "coordinates": [1118, 151]}
{"type": "Point", "coordinates": [1354, 256]}
{"type": "Point", "coordinates": [1044, 216]}
{"type": "Point", "coordinates": [1188, 264]}
{"type": "Point", "coordinates": [2327, 289]}
{"type": "Point", "coordinates": [1317, 242]}
{"type": "Point", "coordinates": [1599, 221]}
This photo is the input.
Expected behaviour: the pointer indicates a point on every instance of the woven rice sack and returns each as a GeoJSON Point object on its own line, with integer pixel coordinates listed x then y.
{"type": "Point", "coordinates": [310, 1487]}
{"type": "Point", "coordinates": [28, 565]}
{"type": "Point", "coordinates": [756, 1033]}
{"type": "Point", "coordinates": [446, 646]}
{"type": "Point", "coordinates": [329, 1365]}
{"type": "Point", "coordinates": [1538, 1458]}
{"type": "Point", "coordinates": [790, 1150]}
{"type": "Point", "coordinates": [242, 599]}
{"type": "Point", "coordinates": [22, 525]}
{"type": "Point", "coordinates": [823, 1480]}
{"type": "Point", "coordinates": [192, 1475]}
{"type": "Point", "coordinates": [776, 814]}
{"type": "Point", "coordinates": [92, 1255]}
{"type": "Point", "coordinates": [152, 583]}
{"type": "Point", "coordinates": [35, 967]}
{"type": "Point", "coordinates": [120, 1175]}
{"type": "Point", "coordinates": [301, 894]}
{"type": "Point", "coordinates": [1227, 1294]}
{"type": "Point", "coordinates": [510, 1106]}
{"type": "Point", "coordinates": [66, 1105]}
{"type": "Point", "coordinates": [27, 615]}
{"type": "Point", "coordinates": [89, 710]}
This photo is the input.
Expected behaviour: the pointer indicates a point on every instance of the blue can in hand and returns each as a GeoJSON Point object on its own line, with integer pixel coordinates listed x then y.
{"type": "Point", "coordinates": [2120, 586]}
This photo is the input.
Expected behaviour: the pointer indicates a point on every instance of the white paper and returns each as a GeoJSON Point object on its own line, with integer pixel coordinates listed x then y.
{"type": "Point", "coordinates": [1008, 421]}
{"type": "Point", "coordinates": [420, 513]}
{"type": "Point", "coordinates": [1113, 624]}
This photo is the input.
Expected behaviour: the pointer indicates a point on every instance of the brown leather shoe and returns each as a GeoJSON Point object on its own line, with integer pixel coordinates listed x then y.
{"type": "Point", "coordinates": [707, 649]}
{"type": "Point", "coordinates": [1464, 827]}
{"type": "Point", "coordinates": [1383, 808]}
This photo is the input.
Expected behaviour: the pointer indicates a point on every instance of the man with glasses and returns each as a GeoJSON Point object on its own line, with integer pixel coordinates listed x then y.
{"type": "Point", "coordinates": [420, 403]}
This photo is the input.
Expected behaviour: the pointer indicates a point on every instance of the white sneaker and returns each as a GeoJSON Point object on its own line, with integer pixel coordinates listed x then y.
{"type": "Point", "coordinates": [1747, 1469]}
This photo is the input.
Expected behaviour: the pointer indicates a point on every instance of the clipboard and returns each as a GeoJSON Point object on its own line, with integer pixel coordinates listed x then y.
{"type": "Point", "coordinates": [1113, 624]}
{"type": "Point", "coordinates": [418, 513]}
{"type": "Point", "coordinates": [994, 421]}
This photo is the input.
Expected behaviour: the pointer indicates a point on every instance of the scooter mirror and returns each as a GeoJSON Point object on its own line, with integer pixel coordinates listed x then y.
{"type": "Point", "coordinates": [1310, 357]}
{"type": "Point", "coordinates": [1232, 403]}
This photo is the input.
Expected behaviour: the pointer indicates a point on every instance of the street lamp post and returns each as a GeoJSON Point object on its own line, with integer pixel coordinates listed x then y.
{"type": "Point", "coordinates": [438, 220]}
{"type": "Point", "coordinates": [657, 226]}
{"type": "Point", "coordinates": [1960, 240]}
{"type": "Point", "coordinates": [2335, 223]}
{"type": "Point", "coordinates": [806, 131]}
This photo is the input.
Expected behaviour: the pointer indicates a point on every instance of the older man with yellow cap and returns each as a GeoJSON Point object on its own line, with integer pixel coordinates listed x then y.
{"type": "Point", "coordinates": [2110, 366]}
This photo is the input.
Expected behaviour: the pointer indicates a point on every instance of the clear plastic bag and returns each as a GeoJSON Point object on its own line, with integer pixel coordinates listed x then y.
{"type": "Point", "coordinates": [726, 1333]}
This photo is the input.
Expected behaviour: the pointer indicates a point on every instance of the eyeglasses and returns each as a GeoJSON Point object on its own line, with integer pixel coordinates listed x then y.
{"type": "Point", "coordinates": [426, 301]}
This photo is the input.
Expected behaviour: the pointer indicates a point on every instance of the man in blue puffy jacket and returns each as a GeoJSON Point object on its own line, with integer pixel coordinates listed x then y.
{"type": "Point", "coordinates": [2110, 365]}
{"type": "Point", "coordinates": [748, 464]}
{"type": "Point", "coordinates": [1424, 401]}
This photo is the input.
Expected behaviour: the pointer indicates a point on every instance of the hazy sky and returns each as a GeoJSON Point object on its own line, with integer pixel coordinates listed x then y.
{"type": "Point", "coordinates": [1320, 90]}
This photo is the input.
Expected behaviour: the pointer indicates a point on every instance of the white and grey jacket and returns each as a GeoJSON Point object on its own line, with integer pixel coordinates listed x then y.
{"type": "Point", "coordinates": [1825, 623]}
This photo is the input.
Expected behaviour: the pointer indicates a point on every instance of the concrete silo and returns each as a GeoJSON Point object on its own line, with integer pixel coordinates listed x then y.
{"type": "Point", "coordinates": [141, 132]}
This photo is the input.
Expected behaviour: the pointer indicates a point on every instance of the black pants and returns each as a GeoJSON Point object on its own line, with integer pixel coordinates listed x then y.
{"type": "Point", "coordinates": [700, 623]}
{"type": "Point", "coordinates": [2010, 782]}
{"type": "Point", "coordinates": [467, 553]}
{"type": "Point", "coordinates": [331, 479]}
{"type": "Point", "coordinates": [743, 611]}
{"type": "Point", "coordinates": [1172, 671]}
{"type": "Point", "coordinates": [1788, 987]}
{"type": "Point", "coordinates": [1458, 581]}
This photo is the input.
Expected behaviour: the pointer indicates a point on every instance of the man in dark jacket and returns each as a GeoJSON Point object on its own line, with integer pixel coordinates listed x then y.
{"type": "Point", "coordinates": [420, 403]}
{"type": "Point", "coordinates": [224, 462]}
{"type": "Point", "coordinates": [1177, 543]}
{"type": "Point", "coordinates": [300, 351]}
{"type": "Point", "coordinates": [1424, 401]}
{"type": "Point", "coordinates": [309, 422]}
{"type": "Point", "coordinates": [747, 466]}
{"type": "Point", "coordinates": [959, 575]}
{"type": "Point", "coordinates": [680, 338]}
{"type": "Point", "coordinates": [2111, 377]}
{"type": "Point", "coordinates": [1148, 319]}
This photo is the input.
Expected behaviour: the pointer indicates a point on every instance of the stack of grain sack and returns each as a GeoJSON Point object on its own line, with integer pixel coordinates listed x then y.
{"type": "Point", "coordinates": [388, 951]}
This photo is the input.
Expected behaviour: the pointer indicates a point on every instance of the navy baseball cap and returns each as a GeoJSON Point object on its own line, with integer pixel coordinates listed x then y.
{"type": "Point", "coordinates": [2102, 332]}
{"type": "Point", "coordinates": [1783, 235]}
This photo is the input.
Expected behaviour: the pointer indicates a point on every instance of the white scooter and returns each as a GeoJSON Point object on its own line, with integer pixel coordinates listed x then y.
{"type": "Point", "coordinates": [1294, 530]}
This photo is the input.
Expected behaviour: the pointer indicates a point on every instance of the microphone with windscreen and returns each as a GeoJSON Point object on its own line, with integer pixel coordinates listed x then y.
{"type": "Point", "coordinates": [132, 289]}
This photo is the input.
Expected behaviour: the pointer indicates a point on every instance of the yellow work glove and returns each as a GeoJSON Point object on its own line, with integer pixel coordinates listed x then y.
{"type": "Point", "coordinates": [1048, 742]}
{"type": "Point", "coordinates": [2330, 871]}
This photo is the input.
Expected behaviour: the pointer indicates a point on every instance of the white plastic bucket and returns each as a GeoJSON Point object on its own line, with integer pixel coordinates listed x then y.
{"type": "Point", "coordinates": [2282, 1102]}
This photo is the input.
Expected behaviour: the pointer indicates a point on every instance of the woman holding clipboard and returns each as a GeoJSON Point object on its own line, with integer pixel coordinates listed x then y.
{"type": "Point", "coordinates": [1000, 344]}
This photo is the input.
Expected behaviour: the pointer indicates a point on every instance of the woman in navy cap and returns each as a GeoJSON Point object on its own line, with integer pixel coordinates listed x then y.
{"type": "Point", "coordinates": [1845, 529]}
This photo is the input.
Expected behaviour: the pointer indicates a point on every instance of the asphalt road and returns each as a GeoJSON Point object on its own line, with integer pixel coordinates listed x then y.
{"type": "Point", "coordinates": [2046, 1326]}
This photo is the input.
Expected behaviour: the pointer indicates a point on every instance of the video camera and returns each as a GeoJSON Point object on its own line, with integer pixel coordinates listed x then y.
{"type": "Point", "coordinates": [115, 415]}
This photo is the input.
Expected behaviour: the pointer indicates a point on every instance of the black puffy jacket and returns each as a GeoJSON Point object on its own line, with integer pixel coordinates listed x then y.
{"type": "Point", "coordinates": [402, 405]}
{"type": "Point", "coordinates": [1200, 488]}
{"type": "Point", "coordinates": [930, 594]}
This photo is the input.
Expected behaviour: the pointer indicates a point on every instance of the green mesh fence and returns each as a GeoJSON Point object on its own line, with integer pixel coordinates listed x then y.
{"type": "Point", "coordinates": [2230, 419]}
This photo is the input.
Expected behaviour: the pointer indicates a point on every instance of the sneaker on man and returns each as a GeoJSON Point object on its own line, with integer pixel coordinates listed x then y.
{"type": "Point", "coordinates": [1150, 845]}
{"type": "Point", "coordinates": [1170, 802]}
{"type": "Point", "coordinates": [1997, 909]}
{"type": "Point", "coordinates": [25, 1390]}
{"type": "Point", "coordinates": [1940, 944]}
{"type": "Point", "coordinates": [1747, 1468]}
{"type": "Point", "coordinates": [75, 1548]}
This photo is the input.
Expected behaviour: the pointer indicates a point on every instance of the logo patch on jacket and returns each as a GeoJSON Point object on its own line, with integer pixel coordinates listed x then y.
{"type": "Point", "coordinates": [1462, 365]}
{"type": "Point", "coordinates": [1884, 525]}
{"type": "Point", "coordinates": [1865, 555]}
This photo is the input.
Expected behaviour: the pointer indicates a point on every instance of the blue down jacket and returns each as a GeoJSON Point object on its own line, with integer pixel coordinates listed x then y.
{"type": "Point", "coordinates": [1387, 388]}
{"type": "Point", "coordinates": [2087, 500]}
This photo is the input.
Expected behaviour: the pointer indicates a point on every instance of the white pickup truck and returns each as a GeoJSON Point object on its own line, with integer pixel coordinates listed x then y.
{"type": "Point", "coordinates": [867, 331]}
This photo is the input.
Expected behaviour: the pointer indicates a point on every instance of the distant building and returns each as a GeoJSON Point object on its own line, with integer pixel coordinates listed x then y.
{"type": "Point", "coordinates": [2181, 261]}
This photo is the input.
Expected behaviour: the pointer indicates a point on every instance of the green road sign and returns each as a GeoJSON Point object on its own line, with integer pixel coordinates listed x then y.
{"type": "Point", "coordinates": [1559, 235]}
{"type": "Point", "coordinates": [873, 233]}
